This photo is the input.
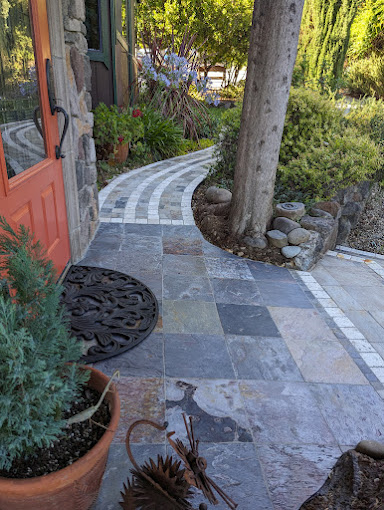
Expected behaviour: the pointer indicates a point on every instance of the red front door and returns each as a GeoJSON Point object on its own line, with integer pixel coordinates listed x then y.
{"type": "Point", "coordinates": [31, 178]}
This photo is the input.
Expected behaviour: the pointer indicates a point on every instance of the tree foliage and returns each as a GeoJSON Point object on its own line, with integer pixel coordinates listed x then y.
{"type": "Point", "coordinates": [222, 26]}
{"type": "Point", "coordinates": [367, 32]}
{"type": "Point", "coordinates": [324, 39]}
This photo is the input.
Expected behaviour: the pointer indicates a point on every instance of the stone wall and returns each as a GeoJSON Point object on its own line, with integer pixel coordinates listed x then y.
{"type": "Point", "coordinates": [81, 119]}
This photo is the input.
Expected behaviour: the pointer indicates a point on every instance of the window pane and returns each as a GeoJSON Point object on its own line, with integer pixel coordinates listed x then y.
{"type": "Point", "coordinates": [92, 22]}
{"type": "Point", "coordinates": [23, 144]}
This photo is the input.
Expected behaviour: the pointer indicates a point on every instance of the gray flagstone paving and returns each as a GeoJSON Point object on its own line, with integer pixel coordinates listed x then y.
{"type": "Point", "coordinates": [278, 382]}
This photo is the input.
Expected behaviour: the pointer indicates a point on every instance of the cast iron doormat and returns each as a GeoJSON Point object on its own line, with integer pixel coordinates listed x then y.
{"type": "Point", "coordinates": [110, 311]}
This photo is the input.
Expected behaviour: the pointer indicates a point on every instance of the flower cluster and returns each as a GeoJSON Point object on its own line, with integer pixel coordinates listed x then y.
{"type": "Point", "coordinates": [175, 72]}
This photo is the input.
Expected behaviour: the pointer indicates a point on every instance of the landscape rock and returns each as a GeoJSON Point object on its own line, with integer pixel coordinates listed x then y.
{"type": "Point", "coordinates": [327, 227]}
{"type": "Point", "coordinates": [298, 236]}
{"type": "Point", "coordinates": [290, 251]}
{"type": "Point", "coordinates": [259, 243]}
{"type": "Point", "coordinates": [343, 230]}
{"type": "Point", "coordinates": [352, 211]}
{"type": "Point", "coordinates": [373, 449]}
{"type": "Point", "coordinates": [277, 238]}
{"type": "Point", "coordinates": [291, 210]}
{"type": "Point", "coordinates": [319, 213]}
{"type": "Point", "coordinates": [285, 225]}
{"type": "Point", "coordinates": [310, 252]}
{"type": "Point", "coordinates": [356, 482]}
{"type": "Point", "coordinates": [216, 195]}
{"type": "Point", "coordinates": [208, 222]}
{"type": "Point", "coordinates": [331, 207]}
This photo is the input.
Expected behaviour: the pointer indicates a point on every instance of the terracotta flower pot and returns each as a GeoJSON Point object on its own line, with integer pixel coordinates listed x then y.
{"type": "Point", "coordinates": [75, 487]}
{"type": "Point", "coordinates": [121, 152]}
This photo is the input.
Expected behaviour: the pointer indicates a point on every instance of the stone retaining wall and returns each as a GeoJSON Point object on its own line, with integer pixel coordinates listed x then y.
{"type": "Point", "coordinates": [81, 119]}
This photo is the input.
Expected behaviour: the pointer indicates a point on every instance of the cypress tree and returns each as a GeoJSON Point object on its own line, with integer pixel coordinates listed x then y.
{"type": "Point", "coordinates": [324, 39]}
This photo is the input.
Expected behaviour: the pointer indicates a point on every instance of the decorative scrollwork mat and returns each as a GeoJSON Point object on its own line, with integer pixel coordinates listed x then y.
{"type": "Point", "coordinates": [110, 312]}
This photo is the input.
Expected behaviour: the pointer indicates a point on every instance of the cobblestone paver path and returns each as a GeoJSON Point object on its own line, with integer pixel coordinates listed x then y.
{"type": "Point", "coordinates": [276, 383]}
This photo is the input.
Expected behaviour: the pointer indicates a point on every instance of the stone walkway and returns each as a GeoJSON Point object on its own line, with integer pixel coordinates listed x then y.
{"type": "Point", "coordinates": [276, 386]}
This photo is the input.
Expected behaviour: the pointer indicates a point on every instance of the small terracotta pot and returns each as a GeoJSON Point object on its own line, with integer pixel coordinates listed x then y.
{"type": "Point", "coordinates": [121, 152]}
{"type": "Point", "coordinates": [75, 487]}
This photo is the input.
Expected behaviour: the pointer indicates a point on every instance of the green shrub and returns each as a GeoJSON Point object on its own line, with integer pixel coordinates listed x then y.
{"type": "Point", "coordinates": [36, 382]}
{"type": "Point", "coordinates": [319, 171]}
{"type": "Point", "coordinates": [318, 154]}
{"type": "Point", "coordinates": [233, 91]}
{"type": "Point", "coordinates": [113, 125]}
{"type": "Point", "coordinates": [366, 76]}
{"type": "Point", "coordinates": [163, 137]}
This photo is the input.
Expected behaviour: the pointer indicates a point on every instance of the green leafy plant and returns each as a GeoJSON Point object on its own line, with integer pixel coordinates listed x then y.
{"type": "Point", "coordinates": [114, 125]}
{"type": "Point", "coordinates": [163, 137]}
{"type": "Point", "coordinates": [322, 149]}
{"type": "Point", "coordinates": [366, 76]}
{"type": "Point", "coordinates": [37, 383]}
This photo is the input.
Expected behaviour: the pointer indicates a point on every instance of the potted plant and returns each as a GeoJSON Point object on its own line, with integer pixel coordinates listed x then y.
{"type": "Point", "coordinates": [115, 128]}
{"type": "Point", "coordinates": [41, 386]}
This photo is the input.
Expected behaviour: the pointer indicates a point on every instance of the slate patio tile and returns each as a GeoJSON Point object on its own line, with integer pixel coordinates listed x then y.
{"type": "Point", "coordinates": [342, 298]}
{"type": "Point", "coordinates": [228, 268]}
{"type": "Point", "coordinates": [141, 399]}
{"type": "Point", "coordinates": [284, 412]}
{"type": "Point", "coordinates": [283, 294]}
{"type": "Point", "coordinates": [369, 298]}
{"type": "Point", "coordinates": [144, 360]}
{"type": "Point", "coordinates": [295, 472]}
{"type": "Point", "coordinates": [134, 263]}
{"type": "Point", "coordinates": [262, 358]}
{"type": "Point", "coordinates": [352, 412]}
{"type": "Point", "coordinates": [216, 407]}
{"type": "Point", "coordinates": [177, 246]}
{"type": "Point", "coordinates": [141, 245]}
{"type": "Point", "coordinates": [323, 276]}
{"type": "Point", "coordinates": [178, 288]}
{"type": "Point", "coordinates": [295, 323]}
{"type": "Point", "coordinates": [247, 320]}
{"type": "Point", "coordinates": [367, 325]}
{"type": "Point", "coordinates": [184, 265]}
{"type": "Point", "coordinates": [235, 468]}
{"type": "Point", "coordinates": [262, 271]}
{"type": "Point", "coordinates": [210, 250]}
{"type": "Point", "coordinates": [239, 292]}
{"type": "Point", "coordinates": [110, 228]}
{"type": "Point", "coordinates": [203, 356]}
{"type": "Point", "coordinates": [198, 317]}
{"type": "Point", "coordinates": [110, 241]}
{"type": "Point", "coordinates": [99, 258]}
{"type": "Point", "coordinates": [181, 231]}
{"type": "Point", "coordinates": [142, 230]}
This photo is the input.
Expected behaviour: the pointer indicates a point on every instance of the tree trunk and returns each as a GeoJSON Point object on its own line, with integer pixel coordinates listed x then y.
{"type": "Point", "coordinates": [272, 53]}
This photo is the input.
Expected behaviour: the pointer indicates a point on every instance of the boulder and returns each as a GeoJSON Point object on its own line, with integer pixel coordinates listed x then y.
{"type": "Point", "coordinates": [343, 230]}
{"type": "Point", "coordinates": [352, 210]}
{"type": "Point", "coordinates": [319, 213]}
{"type": "Point", "coordinates": [285, 225]}
{"type": "Point", "coordinates": [298, 236]}
{"type": "Point", "coordinates": [331, 207]}
{"type": "Point", "coordinates": [290, 251]}
{"type": "Point", "coordinates": [291, 210]}
{"type": "Point", "coordinates": [373, 449]}
{"type": "Point", "coordinates": [260, 242]}
{"type": "Point", "coordinates": [356, 482]}
{"type": "Point", "coordinates": [326, 227]}
{"type": "Point", "coordinates": [218, 209]}
{"type": "Point", "coordinates": [277, 238]}
{"type": "Point", "coordinates": [216, 195]}
{"type": "Point", "coordinates": [310, 252]}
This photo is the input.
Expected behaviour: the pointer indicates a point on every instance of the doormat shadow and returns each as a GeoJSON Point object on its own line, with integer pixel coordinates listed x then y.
{"type": "Point", "coordinates": [110, 312]}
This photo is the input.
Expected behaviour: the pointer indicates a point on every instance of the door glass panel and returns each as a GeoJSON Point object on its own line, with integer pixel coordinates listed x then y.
{"type": "Point", "coordinates": [19, 97]}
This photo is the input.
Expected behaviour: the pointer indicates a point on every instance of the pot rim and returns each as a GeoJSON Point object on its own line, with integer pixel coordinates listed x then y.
{"type": "Point", "coordinates": [64, 476]}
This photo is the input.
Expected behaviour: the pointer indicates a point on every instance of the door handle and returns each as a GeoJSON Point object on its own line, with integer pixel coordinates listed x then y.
{"type": "Point", "coordinates": [55, 108]}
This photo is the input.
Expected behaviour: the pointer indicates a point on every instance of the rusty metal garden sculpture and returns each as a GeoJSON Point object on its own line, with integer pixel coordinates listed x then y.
{"type": "Point", "coordinates": [164, 485]}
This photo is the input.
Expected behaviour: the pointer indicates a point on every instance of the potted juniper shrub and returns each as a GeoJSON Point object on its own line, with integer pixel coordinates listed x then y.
{"type": "Point", "coordinates": [46, 463]}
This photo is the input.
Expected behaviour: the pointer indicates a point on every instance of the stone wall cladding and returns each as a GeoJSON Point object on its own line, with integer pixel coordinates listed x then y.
{"type": "Point", "coordinates": [81, 118]}
{"type": "Point", "coordinates": [352, 201]}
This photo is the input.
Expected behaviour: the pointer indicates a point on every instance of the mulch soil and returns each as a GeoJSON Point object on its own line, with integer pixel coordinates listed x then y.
{"type": "Point", "coordinates": [217, 232]}
{"type": "Point", "coordinates": [77, 440]}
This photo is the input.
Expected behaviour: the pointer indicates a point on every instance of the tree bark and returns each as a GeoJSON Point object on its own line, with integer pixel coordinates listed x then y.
{"type": "Point", "coordinates": [272, 54]}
